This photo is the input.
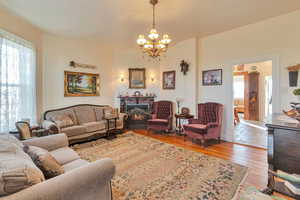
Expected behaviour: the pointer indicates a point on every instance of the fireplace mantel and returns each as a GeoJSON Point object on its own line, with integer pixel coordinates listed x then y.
{"type": "Point", "coordinates": [125, 100]}
{"type": "Point", "coordinates": [137, 119]}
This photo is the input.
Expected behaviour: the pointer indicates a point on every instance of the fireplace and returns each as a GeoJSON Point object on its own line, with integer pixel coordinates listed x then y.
{"type": "Point", "coordinates": [144, 107]}
{"type": "Point", "coordinates": [139, 110]}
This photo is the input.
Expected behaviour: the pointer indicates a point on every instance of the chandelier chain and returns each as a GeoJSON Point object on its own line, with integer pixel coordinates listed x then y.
{"type": "Point", "coordinates": [153, 16]}
{"type": "Point", "coordinates": [156, 45]}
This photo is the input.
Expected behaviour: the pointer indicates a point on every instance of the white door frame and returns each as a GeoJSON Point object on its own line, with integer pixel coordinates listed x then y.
{"type": "Point", "coordinates": [276, 102]}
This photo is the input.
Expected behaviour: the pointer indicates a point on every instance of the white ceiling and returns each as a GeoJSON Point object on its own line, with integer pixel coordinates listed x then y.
{"type": "Point", "coordinates": [122, 20]}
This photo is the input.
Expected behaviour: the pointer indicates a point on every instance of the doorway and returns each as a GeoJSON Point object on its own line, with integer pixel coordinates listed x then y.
{"type": "Point", "coordinates": [252, 102]}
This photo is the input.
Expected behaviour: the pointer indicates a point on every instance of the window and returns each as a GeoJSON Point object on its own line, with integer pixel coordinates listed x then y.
{"type": "Point", "coordinates": [238, 87]}
{"type": "Point", "coordinates": [17, 81]}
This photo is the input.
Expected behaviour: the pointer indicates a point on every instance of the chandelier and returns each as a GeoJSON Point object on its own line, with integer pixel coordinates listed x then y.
{"type": "Point", "coordinates": [154, 46]}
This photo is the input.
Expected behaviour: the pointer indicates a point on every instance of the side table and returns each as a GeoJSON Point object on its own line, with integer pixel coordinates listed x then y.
{"type": "Point", "coordinates": [179, 118]}
{"type": "Point", "coordinates": [110, 133]}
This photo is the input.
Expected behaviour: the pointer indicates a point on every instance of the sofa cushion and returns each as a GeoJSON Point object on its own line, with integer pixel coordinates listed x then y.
{"type": "Point", "coordinates": [73, 130]}
{"type": "Point", "coordinates": [75, 164]}
{"type": "Point", "coordinates": [64, 155]}
{"type": "Point", "coordinates": [17, 171]}
{"type": "Point", "coordinates": [69, 112]}
{"type": "Point", "coordinates": [99, 111]}
{"type": "Point", "coordinates": [110, 112]}
{"type": "Point", "coordinates": [94, 126]}
{"type": "Point", "coordinates": [195, 126]}
{"type": "Point", "coordinates": [62, 121]}
{"type": "Point", "coordinates": [85, 114]}
{"type": "Point", "coordinates": [45, 161]}
{"type": "Point", "coordinates": [158, 122]}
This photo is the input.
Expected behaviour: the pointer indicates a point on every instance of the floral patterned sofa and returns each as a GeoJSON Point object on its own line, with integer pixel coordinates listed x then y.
{"type": "Point", "coordinates": [82, 122]}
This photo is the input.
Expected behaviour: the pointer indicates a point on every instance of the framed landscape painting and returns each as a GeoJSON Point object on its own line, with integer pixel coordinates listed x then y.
{"type": "Point", "coordinates": [137, 78]}
{"type": "Point", "coordinates": [169, 80]}
{"type": "Point", "coordinates": [212, 77]}
{"type": "Point", "coordinates": [81, 84]}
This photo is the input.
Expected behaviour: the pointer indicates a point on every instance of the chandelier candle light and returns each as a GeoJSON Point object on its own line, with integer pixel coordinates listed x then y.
{"type": "Point", "coordinates": [155, 46]}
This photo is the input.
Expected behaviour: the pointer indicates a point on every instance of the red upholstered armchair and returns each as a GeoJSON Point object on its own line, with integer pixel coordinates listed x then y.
{"type": "Point", "coordinates": [162, 117]}
{"type": "Point", "coordinates": [208, 125]}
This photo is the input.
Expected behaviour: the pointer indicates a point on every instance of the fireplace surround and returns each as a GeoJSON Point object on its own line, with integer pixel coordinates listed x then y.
{"type": "Point", "coordinates": [139, 110]}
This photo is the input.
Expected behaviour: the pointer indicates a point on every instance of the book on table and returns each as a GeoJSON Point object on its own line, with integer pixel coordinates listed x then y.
{"type": "Point", "coordinates": [291, 181]}
{"type": "Point", "coordinates": [294, 187]}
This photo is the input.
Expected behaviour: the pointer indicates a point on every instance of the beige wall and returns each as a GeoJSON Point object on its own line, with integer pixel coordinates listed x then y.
{"type": "Point", "coordinates": [185, 85]}
{"type": "Point", "coordinates": [58, 52]}
{"type": "Point", "coordinates": [276, 39]}
{"type": "Point", "coordinates": [133, 58]}
{"type": "Point", "coordinates": [21, 28]}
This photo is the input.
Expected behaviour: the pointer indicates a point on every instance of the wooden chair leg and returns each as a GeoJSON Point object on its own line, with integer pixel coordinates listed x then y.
{"type": "Point", "coordinates": [203, 143]}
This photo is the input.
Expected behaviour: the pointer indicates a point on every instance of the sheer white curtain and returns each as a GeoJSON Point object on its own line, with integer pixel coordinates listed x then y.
{"type": "Point", "coordinates": [17, 81]}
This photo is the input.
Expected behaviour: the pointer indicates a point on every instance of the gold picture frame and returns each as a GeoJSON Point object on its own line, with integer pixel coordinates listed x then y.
{"type": "Point", "coordinates": [80, 84]}
{"type": "Point", "coordinates": [137, 78]}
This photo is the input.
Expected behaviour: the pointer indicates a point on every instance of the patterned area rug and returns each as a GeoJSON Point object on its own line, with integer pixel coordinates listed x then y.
{"type": "Point", "coordinates": [148, 169]}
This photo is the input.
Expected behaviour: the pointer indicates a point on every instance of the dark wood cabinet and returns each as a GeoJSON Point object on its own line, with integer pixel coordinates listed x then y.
{"type": "Point", "coordinates": [283, 144]}
{"type": "Point", "coordinates": [251, 100]}
{"type": "Point", "coordinates": [283, 149]}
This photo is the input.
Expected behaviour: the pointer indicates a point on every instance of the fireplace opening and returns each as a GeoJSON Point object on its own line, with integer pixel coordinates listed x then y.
{"type": "Point", "coordinates": [138, 115]}
{"type": "Point", "coordinates": [138, 111]}
{"type": "Point", "coordinates": [144, 107]}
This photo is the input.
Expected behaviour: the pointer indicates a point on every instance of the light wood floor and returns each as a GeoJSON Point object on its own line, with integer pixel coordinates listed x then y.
{"type": "Point", "coordinates": [255, 135]}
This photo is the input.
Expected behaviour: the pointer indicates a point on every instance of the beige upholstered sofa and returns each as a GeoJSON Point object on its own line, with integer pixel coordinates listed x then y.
{"type": "Point", "coordinates": [81, 122]}
{"type": "Point", "coordinates": [81, 180]}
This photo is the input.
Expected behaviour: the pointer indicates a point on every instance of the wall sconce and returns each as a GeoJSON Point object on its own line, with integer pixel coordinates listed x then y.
{"type": "Point", "coordinates": [122, 78]}
{"type": "Point", "coordinates": [152, 78]}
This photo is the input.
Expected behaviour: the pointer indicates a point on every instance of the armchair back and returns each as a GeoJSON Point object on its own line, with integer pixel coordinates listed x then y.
{"type": "Point", "coordinates": [163, 109]}
{"type": "Point", "coordinates": [210, 112]}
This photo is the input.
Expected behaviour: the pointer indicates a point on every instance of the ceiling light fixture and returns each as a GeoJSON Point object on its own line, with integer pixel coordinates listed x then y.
{"type": "Point", "coordinates": [155, 46]}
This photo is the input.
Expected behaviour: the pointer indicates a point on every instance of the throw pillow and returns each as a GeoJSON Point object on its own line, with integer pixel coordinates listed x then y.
{"type": "Point", "coordinates": [45, 161]}
{"type": "Point", "coordinates": [17, 171]}
{"type": "Point", "coordinates": [99, 113]}
{"type": "Point", "coordinates": [62, 121]}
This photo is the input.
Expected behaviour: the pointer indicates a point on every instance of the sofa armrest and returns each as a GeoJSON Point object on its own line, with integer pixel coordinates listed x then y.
{"type": "Point", "coordinates": [50, 142]}
{"type": "Point", "coordinates": [123, 116]}
{"type": "Point", "coordinates": [89, 182]}
{"type": "Point", "coordinates": [212, 125]}
{"type": "Point", "coordinates": [51, 126]}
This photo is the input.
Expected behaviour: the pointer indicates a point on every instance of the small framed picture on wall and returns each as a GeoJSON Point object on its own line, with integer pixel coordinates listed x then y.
{"type": "Point", "coordinates": [169, 80]}
{"type": "Point", "coordinates": [137, 78]}
{"type": "Point", "coordinates": [212, 77]}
